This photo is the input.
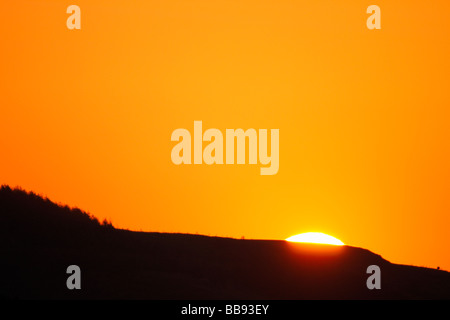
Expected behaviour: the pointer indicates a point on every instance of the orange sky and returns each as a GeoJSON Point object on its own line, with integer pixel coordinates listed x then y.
{"type": "Point", "coordinates": [87, 115]}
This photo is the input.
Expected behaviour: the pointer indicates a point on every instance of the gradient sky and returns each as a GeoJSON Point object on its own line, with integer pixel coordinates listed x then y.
{"type": "Point", "coordinates": [87, 115]}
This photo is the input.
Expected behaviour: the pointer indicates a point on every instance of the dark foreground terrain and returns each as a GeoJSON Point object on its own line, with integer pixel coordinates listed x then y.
{"type": "Point", "coordinates": [39, 240]}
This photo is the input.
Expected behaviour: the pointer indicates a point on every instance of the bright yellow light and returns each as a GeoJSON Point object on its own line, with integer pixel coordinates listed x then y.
{"type": "Point", "coordinates": [315, 237]}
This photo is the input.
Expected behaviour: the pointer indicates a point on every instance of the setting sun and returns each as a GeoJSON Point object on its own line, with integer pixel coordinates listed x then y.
{"type": "Point", "coordinates": [315, 237]}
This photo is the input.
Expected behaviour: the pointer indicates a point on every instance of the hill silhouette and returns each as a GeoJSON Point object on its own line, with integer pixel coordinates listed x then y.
{"type": "Point", "coordinates": [40, 239]}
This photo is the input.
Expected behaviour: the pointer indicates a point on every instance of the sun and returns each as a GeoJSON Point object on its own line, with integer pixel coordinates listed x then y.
{"type": "Point", "coordinates": [315, 237]}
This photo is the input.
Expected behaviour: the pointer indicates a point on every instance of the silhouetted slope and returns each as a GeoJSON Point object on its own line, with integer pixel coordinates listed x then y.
{"type": "Point", "coordinates": [39, 239]}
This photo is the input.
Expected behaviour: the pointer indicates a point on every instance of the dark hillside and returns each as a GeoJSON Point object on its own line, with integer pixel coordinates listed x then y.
{"type": "Point", "coordinates": [40, 239]}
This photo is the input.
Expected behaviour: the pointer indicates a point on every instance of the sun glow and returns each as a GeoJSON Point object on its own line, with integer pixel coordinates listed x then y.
{"type": "Point", "coordinates": [315, 237]}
